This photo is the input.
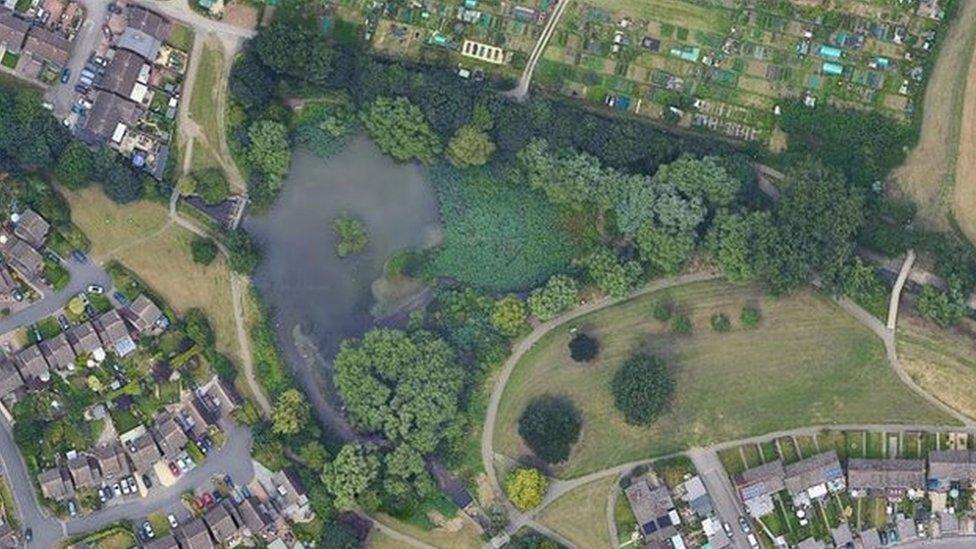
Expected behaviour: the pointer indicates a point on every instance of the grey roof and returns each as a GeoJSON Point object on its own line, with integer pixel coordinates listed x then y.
{"type": "Point", "coordinates": [906, 528]}
{"type": "Point", "coordinates": [32, 228]}
{"type": "Point", "coordinates": [891, 475]}
{"type": "Point", "coordinates": [111, 460]}
{"type": "Point", "coordinates": [122, 73]}
{"type": "Point", "coordinates": [31, 363]}
{"type": "Point", "coordinates": [810, 543]}
{"type": "Point", "coordinates": [165, 542]}
{"type": "Point", "coordinates": [649, 504]}
{"type": "Point", "coordinates": [194, 535]}
{"type": "Point", "coordinates": [81, 472]}
{"type": "Point", "coordinates": [13, 30]}
{"type": "Point", "coordinates": [107, 112]}
{"type": "Point", "coordinates": [221, 524]}
{"type": "Point", "coordinates": [170, 435]}
{"type": "Point", "coordinates": [814, 470]}
{"type": "Point", "coordinates": [23, 257]}
{"type": "Point", "coordinates": [254, 518]}
{"type": "Point", "coordinates": [952, 465]}
{"type": "Point", "coordinates": [83, 338]}
{"type": "Point", "coordinates": [142, 313]}
{"type": "Point", "coordinates": [143, 452]}
{"type": "Point", "coordinates": [842, 535]}
{"type": "Point", "coordinates": [115, 336]}
{"type": "Point", "coordinates": [763, 480]}
{"type": "Point", "coordinates": [10, 379]}
{"type": "Point", "coordinates": [140, 43]}
{"type": "Point", "coordinates": [870, 538]}
{"type": "Point", "coordinates": [47, 45]}
{"type": "Point", "coordinates": [52, 484]}
{"type": "Point", "coordinates": [149, 22]}
{"type": "Point", "coordinates": [58, 352]}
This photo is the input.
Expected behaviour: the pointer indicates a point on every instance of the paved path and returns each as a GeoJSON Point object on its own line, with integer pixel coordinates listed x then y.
{"type": "Point", "coordinates": [521, 90]}
{"type": "Point", "coordinates": [895, 300]}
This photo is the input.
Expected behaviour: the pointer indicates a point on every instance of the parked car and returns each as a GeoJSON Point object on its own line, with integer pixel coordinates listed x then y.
{"type": "Point", "coordinates": [63, 322]}
{"type": "Point", "coordinates": [116, 490]}
{"type": "Point", "coordinates": [172, 521]}
{"type": "Point", "coordinates": [79, 256]}
{"type": "Point", "coordinates": [728, 529]}
{"type": "Point", "coordinates": [174, 469]}
{"type": "Point", "coordinates": [146, 480]}
{"type": "Point", "coordinates": [72, 509]}
{"type": "Point", "coordinates": [101, 495]}
{"type": "Point", "coordinates": [29, 534]}
{"type": "Point", "coordinates": [208, 499]}
{"type": "Point", "coordinates": [183, 465]}
{"type": "Point", "coordinates": [125, 486]}
{"type": "Point", "coordinates": [17, 294]}
{"type": "Point", "coordinates": [95, 289]}
{"type": "Point", "coordinates": [80, 88]}
{"type": "Point", "coordinates": [753, 543]}
{"type": "Point", "coordinates": [148, 529]}
{"type": "Point", "coordinates": [65, 75]}
{"type": "Point", "coordinates": [744, 525]}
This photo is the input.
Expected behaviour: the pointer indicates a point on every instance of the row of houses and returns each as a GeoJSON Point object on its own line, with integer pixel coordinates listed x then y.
{"type": "Point", "coordinates": [138, 451]}
{"type": "Point", "coordinates": [21, 242]}
{"type": "Point", "coordinates": [41, 53]}
{"type": "Point", "coordinates": [660, 522]}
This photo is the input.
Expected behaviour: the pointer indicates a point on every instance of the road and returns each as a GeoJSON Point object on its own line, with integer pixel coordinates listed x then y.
{"type": "Point", "coordinates": [720, 490]}
{"type": "Point", "coordinates": [82, 275]}
{"type": "Point", "coordinates": [521, 90]}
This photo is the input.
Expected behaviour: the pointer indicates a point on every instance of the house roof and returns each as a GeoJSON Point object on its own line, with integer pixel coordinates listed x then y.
{"type": "Point", "coordinates": [814, 470]}
{"type": "Point", "coordinates": [52, 484]}
{"type": "Point", "coordinates": [32, 364]}
{"type": "Point", "coordinates": [289, 487]}
{"type": "Point", "coordinates": [886, 474]}
{"type": "Point", "coordinates": [58, 352]}
{"type": "Point", "coordinates": [170, 435]}
{"type": "Point", "coordinates": [254, 518]}
{"type": "Point", "coordinates": [83, 338]}
{"type": "Point", "coordinates": [149, 22]}
{"type": "Point", "coordinates": [221, 524]}
{"type": "Point", "coordinates": [9, 538]}
{"type": "Point", "coordinates": [23, 257]}
{"type": "Point", "coordinates": [107, 113]}
{"type": "Point", "coordinates": [140, 43]}
{"type": "Point", "coordinates": [142, 313]}
{"type": "Point", "coordinates": [111, 460]}
{"type": "Point", "coordinates": [81, 472]}
{"type": "Point", "coordinates": [122, 73]}
{"type": "Point", "coordinates": [649, 504]}
{"type": "Point", "coordinates": [842, 535]}
{"type": "Point", "coordinates": [165, 542]}
{"type": "Point", "coordinates": [952, 465]}
{"type": "Point", "coordinates": [194, 535]}
{"type": "Point", "coordinates": [143, 452]}
{"type": "Point", "coordinates": [870, 538]}
{"type": "Point", "coordinates": [810, 543]}
{"type": "Point", "coordinates": [48, 46]}
{"type": "Point", "coordinates": [6, 280]}
{"type": "Point", "coordinates": [13, 30]}
{"type": "Point", "coordinates": [10, 379]}
{"type": "Point", "coordinates": [114, 334]}
{"type": "Point", "coordinates": [32, 228]}
{"type": "Point", "coordinates": [766, 479]}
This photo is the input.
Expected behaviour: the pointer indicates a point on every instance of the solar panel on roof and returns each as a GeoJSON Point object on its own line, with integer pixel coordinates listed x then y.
{"type": "Point", "coordinates": [663, 521]}
{"type": "Point", "coordinates": [649, 528]}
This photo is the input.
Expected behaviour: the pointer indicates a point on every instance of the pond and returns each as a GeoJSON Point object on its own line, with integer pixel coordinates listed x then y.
{"type": "Point", "coordinates": [318, 298]}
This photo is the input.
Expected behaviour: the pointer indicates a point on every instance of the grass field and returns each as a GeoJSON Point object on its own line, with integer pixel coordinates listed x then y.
{"type": "Point", "coordinates": [942, 362]}
{"type": "Point", "coordinates": [465, 536]}
{"type": "Point", "coordinates": [580, 515]}
{"type": "Point", "coordinates": [112, 226]}
{"type": "Point", "coordinates": [807, 363]}
{"type": "Point", "coordinates": [206, 89]}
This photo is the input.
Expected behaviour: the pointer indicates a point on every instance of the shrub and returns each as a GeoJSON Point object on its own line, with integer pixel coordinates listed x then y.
{"type": "Point", "coordinates": [211, 185]}
{"type": "Point", "coordinates": [720, 323]}
{"type": "Point", "coordinates": [661, 311]}
{"type": "Point", "coordinates": [508, 315]}
{"type": "Point", "coordinates": [559, 294]}
{"type": "Point", "coordinates": [750, 317]}
{"type": "Point", "coordinates": [526, 487]}
{"type": "Point", "coordinates": [203, 250]}
{"type": "Point", "coordinates": [550, 425]}
{"type": "Point", "coordinates": [681, 324]}
{"type": "Point", "coordinates": [583, 348]}
{"type": "Point", "coordinates": [642, 389]}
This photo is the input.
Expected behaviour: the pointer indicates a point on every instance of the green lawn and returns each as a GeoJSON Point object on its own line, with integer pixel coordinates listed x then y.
{"type": "Point", "coordinates": [807, 363]}
{"type": "Point", "coordinates": [206, 90]}
{"type": "Point", "coordinates": [580, 515]}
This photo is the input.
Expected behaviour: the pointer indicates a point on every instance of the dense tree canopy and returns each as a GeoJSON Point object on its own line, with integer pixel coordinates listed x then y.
{"type": "Point", "coordinates": [351, 478]}
{"type": "Point", "coordinates": [211, 185]}
{"type": "Point", "coordinates": [295, 47]}
{"type": "Point", "coordinates": [612, 275]}
{"type": "Point", "coordinates": [290, 413]}
{"type": "Point", "coordinates": [642, 389]}
{"type": "Point", "coordinates": [470, 147]}
{"type": "Point", "coordinates": [405, 386]}
{"type": "Point", "coordinates": [550, 425]}
{"type": "Point", "coordinates": [203, 250]}
{"type": "Point", "coordinates": [400, 130]}
{"type": "Point", "coordinates": [583, 347]}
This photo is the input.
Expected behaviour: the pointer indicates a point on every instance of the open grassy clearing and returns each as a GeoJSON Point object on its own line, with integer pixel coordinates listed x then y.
{"type": "Point", "coordinates": [580, 516]}
{"type": "Point", "coordinates": [964, 190]}
{"type": "Point", "coordinates": [110, 226]}
{"type": "Point", "coordinates": [807, 363]}
{"type": "Point", "coordinates": [206, 89]}
{"type": "Point", "coordinates": [943, 362]}
{"type": "Point", "coordinates": [462, 534]}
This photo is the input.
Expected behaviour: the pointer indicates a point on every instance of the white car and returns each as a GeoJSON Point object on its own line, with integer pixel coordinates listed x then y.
{"type": "Point", "coordinates": [172, 521]}
{"type": "Point", "coordinates": [183, 465]}
{"type": "Point", "coordinates": [125, 486]}
{"type": "Point", "coordinates": [116, 490]}
{"type": "Point", "coordinates": [95, 289]}
{"type": "Point", "coordinates": [753, 542]}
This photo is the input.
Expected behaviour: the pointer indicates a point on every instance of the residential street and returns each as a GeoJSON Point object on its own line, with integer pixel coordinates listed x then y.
{"type": "Point", "coordinates": [62, 95]}
{"type": "Point", "coordinates": [720, 489]}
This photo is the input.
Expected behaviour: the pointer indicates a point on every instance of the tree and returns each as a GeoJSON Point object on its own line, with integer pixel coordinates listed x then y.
{"type": "Point", "coordinates": [945, 308]}
{"type": "Point", "coordinates": [244, 256]}
{"type": "Point", "coordinates": [211, 185]}
{"type": "Point", "coordinates": [665, 252]}
{"type": "Point", "coordinates": [559, 294]}
{"type": "Point", "coordinates": [120, 184]}
{"type": "Point", "coordinates": [338, 535]}
{"type": "Point", "coordinates": [269, 151]}
{"type": "Point", "coordinates": [550, 425]}
{"type": "Point", "coordinates": [74, 168]}
{"type": "Point", "coordinates": [681, 324]}
{"type": "Point", "coordinates": [508, 315]}
{"type": "Point", "coordinates": [405, 386]}
{"type": "Point", "coordinates": [526, 487]}
{"type": "Point", "coordinates": [203, 250]}
{"type": "Point", "coordinates": [703, 178]}
{"type": "Point", "coordinates": [642, 389]}
{"type": "Point", "coordinates": [470, 147]}
{"type": "Point", "coordinates": [721, 323]}
{"type": "Point", "coordinates": [351, 478]}
{"type": "Point", "coordinates": [614, 277]}
{"type": "Point", "coordinates": [290, 414]}
{"type": "Point", "coordinates": [750, 317]}
{"type": "Point", "coordinates": [661, 311]}
{"type": "Point", "coordinates": [400, 130]}
{"type": "Point", "coordinates": [295, 46]}
{"type": "Point", "coordinates": [405, 475]}
{"type": "Point", "coordinates": [351, 233]}
{"type": "Point", "coordinates": [732, 243]}
{"type": "Point", "coordinates": [197, 327]}
{"type": "Point", "coordinates": [313, 455]}
{"type": "Point", "coordinates": [583, 348]}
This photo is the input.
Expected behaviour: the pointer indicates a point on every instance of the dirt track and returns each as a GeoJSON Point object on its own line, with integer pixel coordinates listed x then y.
{"type": "Point", "coordinates": [928, 173]}
{"type": "Point", "coordinates": [964, 192]}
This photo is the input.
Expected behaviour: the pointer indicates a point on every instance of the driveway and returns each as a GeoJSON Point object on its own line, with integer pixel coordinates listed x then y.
{"type": "Point", "coordinates": [62, 95]}
{"type": "Point", "coordinates": [82, 275]}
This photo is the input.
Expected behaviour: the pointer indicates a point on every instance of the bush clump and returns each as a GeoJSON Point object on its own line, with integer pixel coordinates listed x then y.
{"type": "Point", "coordinates": [750, 317]}
{"type": "Point", "coordinates": [550, 425]}
{"type": "Point", "coordinates": [721, 323]}
{"type": "Point", "coordinates": [661, 311]}
{"type": "Point", "coordinates": [681, 324]}
{"type": "Point", "coordinates": [526, 487]}
{"type": "Point", "coordinates": [583, 348]}
{"type": "Point", "coordinates": [352, 234]}
{"type": "Point", "coordinates": [642, 389]}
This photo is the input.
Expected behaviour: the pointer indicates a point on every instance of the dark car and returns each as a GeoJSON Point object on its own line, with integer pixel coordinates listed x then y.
{"type": "Point", "coordinates": [65, 76]}
{"type": "Point", "coordinates": [63, 322]}
{"type": "Point", "coordinates": [79, 256]}
{"type": "Point", "coordinates": [146, 480]}
{"type": "Point", "coordinates": [29, 534]}
{"type": "Point", "coordinates": [121, 298]}
{"type": "Point", "coordinates": [80, 88]}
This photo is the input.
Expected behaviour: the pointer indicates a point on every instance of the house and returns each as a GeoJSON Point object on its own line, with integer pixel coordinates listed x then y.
{"type": "Point", "coordinates": [53, 486]}
{"type": "Point", "coordinates": [84, 340]}
{"type": "Point", "coordinates": [31, 228]}
{"type": "Point", "coordinates": [142, 314]}
{"type": "Point", "coordinates": [694, 494]}
{"type": "Point", "coordinates": [290, 497]}
{"type": "Point", "coordinates": [948, 467]}
{"type": "Point", "coordinates": [10, 380]}
{"type": "Point", "coordinates": [143, 452]}
{"type": "Point", "coordinates": [44, 45]}
{"type": "Point", "coordinates": [114, 334]}
{"type": "Point", "coordinates": [126, 76]}
{"type": "Point", "coordinates": [907, 530]}
{"type": "Point", "coordinates": [222, 526]}
{"type": "Point", "coordinates": [111, 460]}
{"type": "Point", "coordinates": [220, 397]}
{"type": "Point", "coordinates": [194, 535]}
{"type": "Point", "coordinates": [842, 535]}
{"type": "Point", "coordinates": [81, 472]}
{"type": "Point", "coordinates": [255, 520]}
{"type": "Point", "coordinates": [22, 257]}
{"type": "Point", "coordinates": [165, 542]}
{"type": "Point", "coordinates": [9, 538]}
{"type": "Point", "coordinates": [13, 31]}
{"type": "Point", "coordinates": [169, 435]}
{"type": "Point", "coordinates": [149, 22]}
{"type": "Point", "coordinates": [810, 543]}
{"type": "Point", "coordinates": [7, 284]}
{"type": "Point", "coordinates": [870, 539]}
{"type": "Point", "coordinates": [32, 365]}
{"type": "Point", "coordinates": [814, 477]}
{"type": "Point", "coordinates": [109, 119]}
{"type": "Point", "coordinates": [893, 478]}
{"type": "Point", "coordinates": [58, 352]}
{"type": "Point", "coordinates": [139, 43]}
{"type": "Point", "coordinates": [653, 510]}
{"type": "Point", "coordinates": [756, 487]}
{"type": "Point", "coordinates": [192, 421]}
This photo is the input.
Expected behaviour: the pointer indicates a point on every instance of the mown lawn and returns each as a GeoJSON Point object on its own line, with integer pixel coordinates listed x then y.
{"type": "Point", "coordinates": [807, 363]}
{"type": "Point", "coordinates": [206, 89]}
{"type": "Point", "coordinates": [580, 515]}
{"type": "Point", "coordinates": [110, 226]}
{"type": "Point", "coordinates": [943, 362]}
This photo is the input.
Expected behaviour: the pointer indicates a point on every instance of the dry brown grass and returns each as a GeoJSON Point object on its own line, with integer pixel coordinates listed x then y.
{"type": "Point", "coordinates": [964, 192]}
{"type": "Point", "coordinates": [943, 362]}
{"type": "Point", "coordinates": [465, 537]}
{"type": "Point", "coordinates": [580, 516]}
{"type": "Point", "coordinates": [927, 174]}
{"type": "Point", "coordinates": [112, 226]}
